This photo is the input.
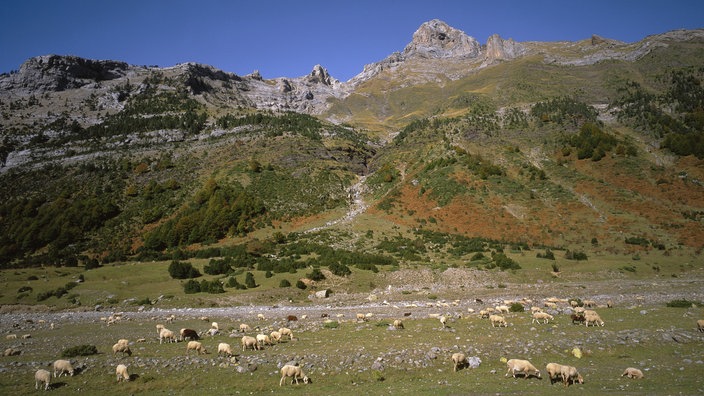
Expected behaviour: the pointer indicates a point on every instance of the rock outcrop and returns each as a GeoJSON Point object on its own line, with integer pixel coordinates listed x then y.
{"type": "Point", "coordinates": [436, 39]}
{"type": "Point", "coordinates": [500, 49]}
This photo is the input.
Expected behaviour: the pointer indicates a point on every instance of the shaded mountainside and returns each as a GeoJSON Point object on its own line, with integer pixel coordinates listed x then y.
{"type": "Point", "coordinates": [594, 145]}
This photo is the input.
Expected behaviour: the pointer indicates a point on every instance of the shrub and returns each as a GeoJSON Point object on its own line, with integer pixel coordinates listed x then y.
{"type": "Point", "coordinates": [547, 255]}
{"type": "Point", "coordinates": [191, 287]}
{"type": "Point", "coordinates": [683, 303]}
{"type": "Point", "coordinates": [331, 325]}
{"type": "Point", "coordinates": [504, 262]}
{"type": "Point", "coordinates": [340, 269]}
{"type": "Point", "coordinates": [218, 267]}
{"type": "Point", "coordinates": [249, 281]}
{"type": "Point", "coordinates": [182, 270]}
{"type": "Point", "coordinates": [301, 285]}
{"type": "Point", "coordinates": [516, 307]}
{"type": "Point", "coordinates": [284, 283]}
{"type": "Point", "coordinates": [569, 255]}
{"type": "Point", "coordinates": [25, 289]}
{"type": "Point", "coordinates": [79, 350]}
{"type": "Point", "coordinates": [316, 275]}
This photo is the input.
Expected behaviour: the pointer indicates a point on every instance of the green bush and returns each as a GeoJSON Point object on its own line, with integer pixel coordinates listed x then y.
{"type": "Point", "coordinates": [316, 275]}
{"type": "Point", "coordinates": [683, 303]}
{"type": "Point", "coordinates": [301, 285]}
{"type": "Point", "coordinates": [79, 350]}
{"type": "Point", "coordinates": [191, 287]}
{"type": "Point", "coordinates": [340, 269]}
{"type": "Point", "coordinates": [183, 270]}
{"type": "Point", "coordinates": [284, 283]}
{"type": "Point", "coordinates": [249, 281]}
{"type": "Point", "coordinates": [516, 307]}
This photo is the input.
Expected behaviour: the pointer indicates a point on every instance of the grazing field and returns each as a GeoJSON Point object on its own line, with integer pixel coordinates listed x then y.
{"type": "Point", "coordinates": [344, 356]}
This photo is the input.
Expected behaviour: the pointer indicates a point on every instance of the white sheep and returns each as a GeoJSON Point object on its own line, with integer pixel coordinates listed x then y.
{"type": "Point", "coordinates": [167, 335]}
{"type": "Point", "coordinates": [632, 373]}
{"type": "Point", "coordinates": [700, 325]}
{"type": "Point", "coordinates": [554, 371]}
{"type": "Point", "coordinates": [275, 336]}
{"type": "Point", "coordinates": [443, 321]}
{"type": "Point", "coordinates": [535, 309]}
{"type": "Point", "coordinates": [244, 328]}
{"type": "Point", "coordinates": [261, 317]}
{"type": "Point", "coordinates": [538, 316]}
{"type": "Point", "coordinates": [249, 342]}
{"type": "Point", "coordinates": [497, 320]}
{"type": "Point", "coordinates": [459, 360]}
{"type": "Point", "coordinates": [398, 324]}
{"type": "Point", "coordinates": [42, 376]}
{"type": "Point", "coordinates": [592, 317]}
{"type": "Point", "coordinates": [484, 314]}
{"type": "Point", "coordinates": [159, 328]}
{"type": "Point", "coordinates": [361, 317]}
{"type": "Point", "coordinates": [520, 366]}
{"type": "Point", "coordinates": [196, 346]}
{"type": "Point", "coordinates": [121, 373]}
{"type": "Point", "coordinates": [224, 348]}
{"type": "Point", "coordinates": [63, 367]}
{"type": "Point", "coordinates": [295, 372]}
{"type": "Point", "coordinates": [570, 375]}
{"type": "Point", "coordinates": [11, 337]}
{"type": "Point", "coordinates": [502, 309]}
{"type": "Point", "coordinates": [121, 347]}
{"type": "Point", "coordinates": [263, 339]}
{"type": "Point", "coordinates": [215, 326]}
{"type": "Point", "coordinates": [12, 352]}
{"type": "Point", "coordinates": [285, 331]}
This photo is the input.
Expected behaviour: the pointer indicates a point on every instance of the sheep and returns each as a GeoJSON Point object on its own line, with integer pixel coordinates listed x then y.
{"type": "Point", "coordinates": [11, 337]}
{"type": "Point", "coordinates": [122, 347]}
{"type": "Point", "coordinates": [589, 303]}
{"type": "Point", "coordinates": [196, 346]}
{"type": "Point", "coordinates": [700, 325]}
{"type": "Point", "coordinates": [189, 334]}
{"type": "Point", "coordinates": [295, 372]}
{"type": "Point", "coordinates": [11, 352]}
{"type": "Point", "coordinates": [554, 371]}
{"type": "Point", "coordinates": [215, 326]}
{"type": "Point", "coordinates": [244, 328]}
{"type": "Point", "coordinates": [275, 336]}
{"type": "Point", "coordinates": [167, 335]}
{"type": "Point", "coordinates": [459, 360]}
{"type": "Point", "coordinates": [170, 318]}
{"type": "Point", "coordinates": [398, 324]}
{"type": "Point", "coordinates": [261, 317]}
{"type": "Point", "coordinates": [484, 314]}
{"type": "Point", "coordinates": [291, 318]}
{"type": "Point", "coordinates": [535, 309]}
{"type": "Point", "coordinates": [632, 373]}
{"type": "Point", "coordinates": [570, 374]}
{"type": "Point", "coordinates": [204, 319]}
{"type": "Point", "coordinates": [549, 304]}
{"type": "Point", "coordinates": [224, 348]}
{"type": "Point", "coordinates": [516, 366]}
{"type": "Point", "coordinates": [42, 376]}
{"type": "Point", "coordinates": [121, 373]}
{"type": "Point", "coordinates": [249, 342]}
{"type": "Point", "coordinates": [502, 309]}
{"type": "Point", "coordinates": [443, 321]}
{"type": "Point", "coordinates": [361, 317]}
{"type": "Point", "coordinates": [592, 317]}
{"type": "Point", "coordinates": [263, 339]}
{"type": "Point", "coordinates": [26, 336]}
{"type": "Point", "coordinates": [159, 328]}
{"type": "Point", "coordinates": [538, 316]}
{"type": "Point", "coordinates": [63, 367]}
{"type": "Point", "coordinates": [577, 319]}
{"type": "Point", "coordinates": [497, 320]}
{"type": "Point", "coordinates": [286, 332]}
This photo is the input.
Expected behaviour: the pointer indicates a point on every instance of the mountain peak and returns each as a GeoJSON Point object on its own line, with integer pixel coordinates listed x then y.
{"type": "Point", "coordinates": [437, 39]}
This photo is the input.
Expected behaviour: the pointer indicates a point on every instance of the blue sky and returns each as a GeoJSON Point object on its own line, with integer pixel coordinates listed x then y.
{"type": "Point", "coordinates": [287, 38]}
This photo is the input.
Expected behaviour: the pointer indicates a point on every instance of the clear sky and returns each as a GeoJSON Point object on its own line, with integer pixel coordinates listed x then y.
{"type": "Point", "coordinates": [287, 38]}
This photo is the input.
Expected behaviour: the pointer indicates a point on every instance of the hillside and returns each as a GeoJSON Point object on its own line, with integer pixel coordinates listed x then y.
{"type": "Point", "coordinates": [440, 151]}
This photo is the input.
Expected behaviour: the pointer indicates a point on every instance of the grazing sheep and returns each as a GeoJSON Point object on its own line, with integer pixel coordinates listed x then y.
{"type": "Point", "coordinates": [700, 325]}
{"type": "Point", "coordinates": [167, 335]}
{"type": "Point", "coordinates": [535, 309]}
{"type": "Point", "coordinates": [443, 321]}
{"type": "Point", "coordinates": [42, 376]}
{"type": "Point", "coordinates": [121, 373]}
{"type": "Point", "coordinates": [538, 316]}
{"type": "Point", "coordinates": [549, 304]}
{"type": "Point", "coordinates": [204, 319]}
{"type": "Point", "coordinates": [589, 303]}
{"type": "Point", "coordinates": [459, 360]}
{"type": "Point", "coordinates": [609, 304]}
{"type": "Point", "coordinates": [502, 309]}
{"type": "Point", "coordinates": [26, 336]}
{"type": "Point", "coordinates": [215, 326]}
{"type": "Point", "coordinates": [196, 346]}
{"type": "Point", "coordinates": [497, 320]}
{"type": "Point", "coordinates": [121, 347]}
{"type": "Point", "coordinates": [62, 367]}
{"type": "Point", "coordinates": [286, 332]}
{"type": "Point", "coordinates": [275, 336]}
{"type": "Point", "coordinates": [361, 317]}
{"type": "Point", "coordinates": [632, 373]}
{"type": "Point", "coordinates": [554, 371]}
{"type": "Point", "coordinates": [159, 328]}
{"type": "Point", "coordinates": [592, 317]}
{"type": "Point", "coordinates": [293, 371]}
{"type": "Point", "coordinates": [11, 352]}
{"type": "Point", "coordinates": [224, 348]}
{"type": "Point", "coordinates": [189, 334]}
{"type": "Point", "coordinates": [570, 375]}
{"type": "Point", "coordinates": [484, 314]}
{"type": "Point", "coordinates": [249, 342]}
{"type": "Point", "coordinates": [11, 337]}
{"type": "Point", "coordinates": [520, 366]}
{"type": "Point", "coordinates": [398, 324]}
{"type": "Point", "coordinates": [291, 318]}
{"type": "Point", "coordinates": [244, 328]}
{"type": "Point", "coordinates": [577, 319]}
{"type": "Point", "coordinates": [263, 339]}
{"type": "Point", "coordinates": [261, 317]}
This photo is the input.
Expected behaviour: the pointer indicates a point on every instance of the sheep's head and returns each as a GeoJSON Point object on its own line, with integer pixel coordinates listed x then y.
{"type": "Point", "coordinates": [306, 380]}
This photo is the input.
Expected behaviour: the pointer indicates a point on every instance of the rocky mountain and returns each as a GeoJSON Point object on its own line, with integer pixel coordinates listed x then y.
{"type": "Point", "coordinates": [594, 144]}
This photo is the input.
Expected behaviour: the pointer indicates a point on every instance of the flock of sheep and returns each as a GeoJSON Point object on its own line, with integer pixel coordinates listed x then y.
{"type": "Point", "coordinates": [515, 367]}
